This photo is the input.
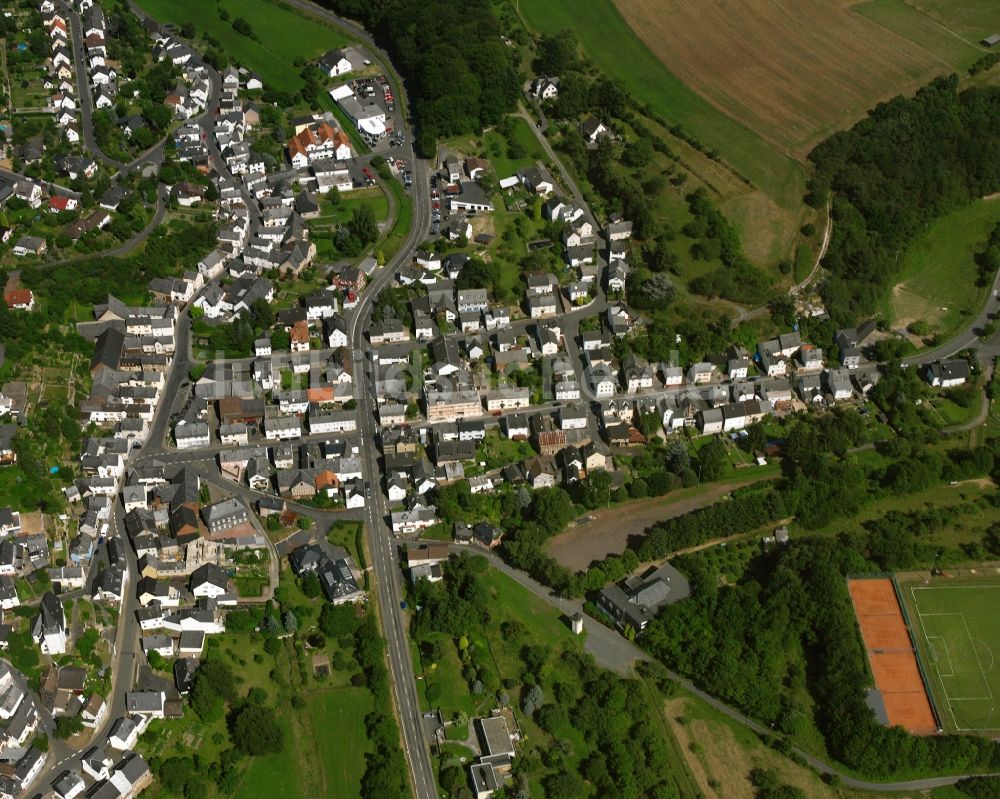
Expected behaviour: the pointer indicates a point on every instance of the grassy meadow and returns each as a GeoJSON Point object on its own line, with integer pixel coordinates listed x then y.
{"type": "Point", "coordinates": [282, 35]}
{"type": "Point", "coordinates": [938, 274]}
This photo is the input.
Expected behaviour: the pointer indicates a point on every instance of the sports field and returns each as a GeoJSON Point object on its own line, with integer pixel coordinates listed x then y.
{"type": "Point", "coordinates": [957, 626]}
{"type": "Point", "coordinates": [890, 655]}
{"type": "Point", "coordinates": [792, 70]}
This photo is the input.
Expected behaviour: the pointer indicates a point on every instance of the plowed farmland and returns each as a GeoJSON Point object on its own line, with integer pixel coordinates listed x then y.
{"type": "Point", "coordinates": [792, 70]}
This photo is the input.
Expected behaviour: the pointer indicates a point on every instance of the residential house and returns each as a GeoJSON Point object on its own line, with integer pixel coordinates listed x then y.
{"type": "Point", "coordinates": [49, 628]}
{"type": "Point", "coordinates": [948, 373]}
{"type": "Point", "coordinates": [636, 601]}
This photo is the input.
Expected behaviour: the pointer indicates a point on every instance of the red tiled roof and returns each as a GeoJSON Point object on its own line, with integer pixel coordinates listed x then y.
{"type": "Point", "coordinates": [321, 394]}
{"type": "Point", "coordinates": [16, 297]}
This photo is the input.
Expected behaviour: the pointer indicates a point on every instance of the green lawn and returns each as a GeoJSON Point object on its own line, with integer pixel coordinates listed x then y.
{"type": "Point", "coordinates": [499, 450]}
{"type": "Point", "coordinates": [524, 140]}
{"type": "Point", "coordinates": [972, 19]}
{"type": "Point", "coordinates": [937, 281]}
{"type": "Point", "coordinates": [957, 628]}
{"type": "Point", "coordinates": [952, 413]}
{"type": "Point", "coordinates": [345, 534]}
{"type": "Point", "coordinates": [614, 48]}
{"type": "Point", "coordinates": [373, 198]}
{"type": "Point", "coordinates": [277, 775]}
{"type": "Point", "coordinates": [283, 34]}
{"type": "Point", "coordinates": [250, 585]}
{"type": "Point", "coordinates": [445, 676]}
{"type": "Point", "coordinates": [541, 620]}
{"type": "Point", "coordinates": [397, 234]}
{"type": "Point", "coordinates": [324, 753]}
{"type": "Point", "coordinates": [337, 720]}
{"type": "Point", "coordinates": [325, 740]}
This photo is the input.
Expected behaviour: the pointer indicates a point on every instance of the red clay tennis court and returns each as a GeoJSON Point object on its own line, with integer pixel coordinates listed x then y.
{"type": "Point", "coordinates": [890, 653]}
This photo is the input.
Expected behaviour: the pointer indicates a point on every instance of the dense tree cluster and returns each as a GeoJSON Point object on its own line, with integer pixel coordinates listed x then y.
{"type": "Point", "coordinates": [767, 785]}
{"type": "Point", "coordinates": [988, 258]}
{"type": "Point", "coordinates": [980, 787]}
{"type": "Point", "coordinates": [910, 161]}
{"type": "Point", "coordinates": [127, 40]}
{"type": "Point", "coordinates": [357, 232]}
{"type": "Point", "coordinates": [461, 605]}
{"type": "Point", "coordinates": [385, 771]}
{"type": "Point", "coordinates": [237, 338]}
{"type": "Point", "coordinates": [167, 253]}
{"type": "Point", "coordinates": [738, 279]}
{"type": "Point", "coordinates": [983, 64]}
{"type": "Point", "coordinates": [214, 686]}
{"type": "Point", "coordinates": [782, 644]}
{"type": "Point", "coordinates": [626, 754]}
{"type": "Point", "coordinates": [254, 729]}
{"type": "Point", "coordinates": [460, 75]}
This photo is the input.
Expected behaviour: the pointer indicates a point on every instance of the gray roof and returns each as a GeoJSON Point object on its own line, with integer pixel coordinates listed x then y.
{"type": "Point", "coordinates": [143, 701]}
{"type": "Point", "coordinates": [209, 573]}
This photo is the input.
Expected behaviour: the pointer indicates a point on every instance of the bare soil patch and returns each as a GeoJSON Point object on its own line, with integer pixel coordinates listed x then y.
{"type": "Point", "coordinates": [610, 529]}
{"type": "Point", "coordinates": [792, 70]}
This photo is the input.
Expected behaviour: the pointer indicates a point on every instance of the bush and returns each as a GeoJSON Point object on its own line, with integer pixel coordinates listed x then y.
{"type": "Point", "coordinates": [255, 731]}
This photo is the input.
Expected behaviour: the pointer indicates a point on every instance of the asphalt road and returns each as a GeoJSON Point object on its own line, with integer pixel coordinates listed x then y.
{"type": "Point", "coordinates": [83, 92]}
{"type": "Point", "coordinates": [133, 243]}
{"type": "Point", "coordinates": [125, 645]}
{"type": "Point", "coordinates": [384, 554]}
{"type": "Point", "coordinates": [614, 652]}
{"type": "Point", "coordinates": [608, 648]}
{"type": "Point", "coordinates": [382, 546]}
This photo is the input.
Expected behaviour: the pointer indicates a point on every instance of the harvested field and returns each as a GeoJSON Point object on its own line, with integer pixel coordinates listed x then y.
{"type": "Point", "coordinates": [792, 70]}
{"type": "Point", "coordinates": [891, 655]}
{"type": "Point", "coordinates": [610, 529]}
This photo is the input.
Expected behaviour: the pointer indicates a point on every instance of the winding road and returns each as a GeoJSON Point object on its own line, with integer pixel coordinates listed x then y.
{"type": "Point", "coordinates": [614, 652]}
{"type": "Point", "coordinates": [126, 247]}
{"type": "Point", "coordinates": [608, 647]}
{"type": "Point", "coordinates": [384, 554]}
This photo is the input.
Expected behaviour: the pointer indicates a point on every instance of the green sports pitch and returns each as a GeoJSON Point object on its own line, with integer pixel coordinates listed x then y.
{"type": "Point", "coordinates": [957, 630]}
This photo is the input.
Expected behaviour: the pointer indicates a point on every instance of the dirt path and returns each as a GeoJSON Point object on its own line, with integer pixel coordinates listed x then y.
{"type": "Point", "coordinates": [822, 249]}
{"type": "Point", "coordinates": [609, 532]}
{"type": "Point", "coordinates": [798, 287]}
